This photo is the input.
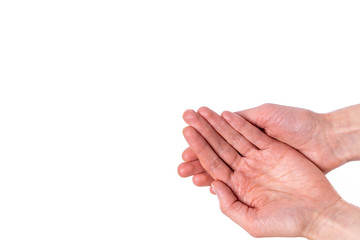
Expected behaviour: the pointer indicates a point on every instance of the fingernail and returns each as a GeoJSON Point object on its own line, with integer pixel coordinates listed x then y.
{"type": "Point", "coordinates": [213, 188]}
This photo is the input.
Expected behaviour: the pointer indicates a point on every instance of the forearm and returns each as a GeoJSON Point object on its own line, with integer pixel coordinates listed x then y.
{"type": "Point", "coordinates": [344, 133]}
{"type": "Point", "coordinates": [341, 221]}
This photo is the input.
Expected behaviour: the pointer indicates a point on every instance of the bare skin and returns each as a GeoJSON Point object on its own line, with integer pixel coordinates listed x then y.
{"type": "Point", "coordinates": [328, 140]}
{"type": "Point", "coordinates": [264, 185]}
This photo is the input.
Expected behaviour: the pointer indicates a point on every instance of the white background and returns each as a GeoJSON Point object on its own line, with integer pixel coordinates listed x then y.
{"type": "Point", "coordinates": [92, 94]}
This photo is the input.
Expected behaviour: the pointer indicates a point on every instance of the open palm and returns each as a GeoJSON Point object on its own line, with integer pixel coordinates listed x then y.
{"type": "Point", "coordinates": [264, 185]}
{"type": "Point", "coordinates": [304, 130]}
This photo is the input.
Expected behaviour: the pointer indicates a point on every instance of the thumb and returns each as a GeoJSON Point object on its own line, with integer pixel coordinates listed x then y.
{"type": "Point", "coordinates": [229, 204]}
{"type": "Point", "coordinates": [259, 116]}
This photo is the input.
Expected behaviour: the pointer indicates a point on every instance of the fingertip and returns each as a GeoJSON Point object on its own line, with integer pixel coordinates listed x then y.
{"type": "Point", "coordinates": [202, 180]}
{"type": "Point", "coordinates": [188, 155]}
{"type": "Point", "coordinates": [181, 170]}
{"type": "Point", "coordinates": [187, 131]}
{"type": "Point", "coordinates": [185, 155]}
{"type": "Point", "coordinates": [189, 114]}
{"type": "Point", "coordinates": [196, 181]}
{"type": "Point", "coordinates": [227, 115]}
{"type": "Point", "coordinates": [204, 111]}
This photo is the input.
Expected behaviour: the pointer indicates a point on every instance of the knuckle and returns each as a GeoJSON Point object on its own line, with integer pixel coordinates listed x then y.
{"type": "Point", "coordinates": [215, 164]}
{"type": "Point", "coordinates": [232, 160]}
{"type": "Point", "coordinates": [241, 123]}
{"type": "Point", "coordinates": [206, 131]}
{"type": "Point", "coordinates": [224, 149]}
{"type": "Point", "coordinates": [202, 146]}
{"type": "Point", "coordinates": [252, 152]}
{"type": "Point", "coordinates": [236, 141]}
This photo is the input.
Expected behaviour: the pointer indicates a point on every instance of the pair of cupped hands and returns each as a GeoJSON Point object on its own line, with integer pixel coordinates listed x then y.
{"type": "Point", "coordinates": [267, 166]}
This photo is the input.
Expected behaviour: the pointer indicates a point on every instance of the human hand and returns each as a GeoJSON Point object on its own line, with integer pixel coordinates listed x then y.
{"type": "Point", "coordinates": [270, 189]}
{"type": "Point", "coordinates": [311, 133]}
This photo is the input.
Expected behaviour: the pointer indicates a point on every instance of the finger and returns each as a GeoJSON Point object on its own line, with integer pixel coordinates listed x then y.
{"type": "Point", "coordinates": [187, 169]}
{"type": "Point", "coordinates": [263, 115]}
{"type": "Point", "coordinates": [231, 206]}
{"type": "Point", "coordinates": [223, 149]}
{"type": "Point", "coordinates": [254, 115]}
{"type": "Point", "coordinates": [212, 190]}
{"type": "Point", "coordinates": [207, 157]}
{"type": "Point", "coordinates": [249, 131]}
{"type": "Point", "coordinates": [189, 155]}
{"type": "Point", "coordinates": [241, 144]}
{"type": "Point", "coordinates": [202, 179]}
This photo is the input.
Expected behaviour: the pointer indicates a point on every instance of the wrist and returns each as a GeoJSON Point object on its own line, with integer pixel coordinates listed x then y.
{"type": "Point", "coordinates": [339, 221]}
{"type": "Point", "coordinates": [342, 129]}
